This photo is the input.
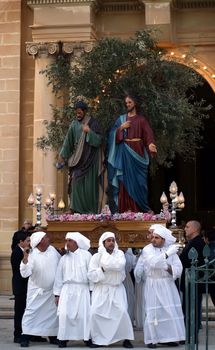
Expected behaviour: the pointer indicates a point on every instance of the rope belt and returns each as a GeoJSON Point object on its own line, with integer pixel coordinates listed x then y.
{"type": "Point", "coordinates": [133, 140]}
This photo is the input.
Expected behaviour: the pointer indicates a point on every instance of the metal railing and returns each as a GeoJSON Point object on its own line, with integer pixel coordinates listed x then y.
{"type": "Point", "coordinates": [198, 280]}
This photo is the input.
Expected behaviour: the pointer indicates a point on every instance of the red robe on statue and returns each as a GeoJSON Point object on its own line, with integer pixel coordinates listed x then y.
{"type": "Point", "coordinates": [138, 137]}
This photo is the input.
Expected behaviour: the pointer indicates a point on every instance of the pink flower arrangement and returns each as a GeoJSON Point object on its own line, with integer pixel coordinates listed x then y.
{"type": "Point", "coordinates": [106, 215]}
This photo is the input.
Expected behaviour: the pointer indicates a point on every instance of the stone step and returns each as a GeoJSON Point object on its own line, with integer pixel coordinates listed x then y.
{"type": "Point", "coordinates": [211, 315]}
{"type": "Point", "coordinates": [6, 307]}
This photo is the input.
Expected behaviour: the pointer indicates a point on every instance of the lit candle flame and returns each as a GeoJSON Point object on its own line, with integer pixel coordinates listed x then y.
{"type": "Point", "coordinates": [48, 201]}
{"type": "Point", "coordinates": [30, 199]}
{"type": "Point", "coordinates": [163, 198]}
{"type": "Point", "coordinates": [181, 198]}
{"type": "Point", "coordinates": [52, 196]}
{"type": "Point", "coordinates": [173, 187]}
{"type": "Point", "coordinates": [38, 190]}
{"type": "Point", "coordinates": [61, 204]}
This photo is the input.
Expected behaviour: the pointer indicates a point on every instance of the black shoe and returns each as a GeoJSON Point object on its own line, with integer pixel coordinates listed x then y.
{"type": "Point", "coordinates": [17, 339]}
{"type": "Point", "coordinates": [53, 340]}
{"type": "Point", "coordinates": [88, 342]}
{"type": "Point", "coordinates": [151, 346]}
{"type": "Point", "coordinates": [92, 345]}
{"type": "Point", "coordinates": [127, 344]}
{"type": "Point", "coordinates": [38, 338]}
{"type": "Point", "coordinates": [24, 344]}
{"type": "Point", "coordinates": [182, 342]}
{"type": "Point", "coordinates": [171, 343]}
{"type": "Point", "coordinates": [62, 343]}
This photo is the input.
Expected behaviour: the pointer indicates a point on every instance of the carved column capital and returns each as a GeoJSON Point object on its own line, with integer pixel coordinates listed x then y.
{"type": "Point", "coordinates": [74, 47]}
{"type": "Point", "coordinates": [42, 49]}
{"type": "Point", "coordinates": [54, 48]}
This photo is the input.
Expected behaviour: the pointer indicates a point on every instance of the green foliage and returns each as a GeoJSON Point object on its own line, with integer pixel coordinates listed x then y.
{"type": "Point", "coordinates": [113, 67]}
{"type": "Point", "coordinates": [58, 74]}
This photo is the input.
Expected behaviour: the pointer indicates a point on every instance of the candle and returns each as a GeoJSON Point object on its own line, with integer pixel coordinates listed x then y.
{"type": "Point", "coordinates": [52, 196]}
{"type": "Point", "coordinates": [61, 204]}
{"type": "Point", "coordinates": [163, 198]}
{"type": "Point", "coordinates": [31, 199]}
{"type": "Point", "coordinates": [38, 191]}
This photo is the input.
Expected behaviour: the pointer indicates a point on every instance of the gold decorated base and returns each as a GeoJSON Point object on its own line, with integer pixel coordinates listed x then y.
{"type": "Point", "coordinates": [129, 234]}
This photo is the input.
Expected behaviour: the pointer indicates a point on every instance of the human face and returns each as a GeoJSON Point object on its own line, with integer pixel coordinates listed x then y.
{"type": "Point", "coordinates": [26, 243]}
{"type": "Point", "coordinates": [149, 234]}
{"type": "Point", "coordinates": [80, 114]}
{"type": "Point", "coordinates": [44, 243]}
{"type": "Point", "coordinates": [130, 104]}
{"type": "Point", "coordinates": [190, 230]}
{"type": "Point", "coordinates": [71, 245]}
{"type": "Point", "coordinates": [109, 244]}
{"type": "Point", "coordinates": [157, 241]}
{"type": "Point", "coordinates": [27, 225]}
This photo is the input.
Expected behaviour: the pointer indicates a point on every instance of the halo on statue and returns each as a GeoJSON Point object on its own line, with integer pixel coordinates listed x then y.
{"type": "Point", "coordinates": [80, 98]}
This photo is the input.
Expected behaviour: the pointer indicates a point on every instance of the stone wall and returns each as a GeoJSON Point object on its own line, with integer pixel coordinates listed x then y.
{"type": "Point", "coordinates": [26, 116]}
{"type": "Point", "coordinates": [10, 19]}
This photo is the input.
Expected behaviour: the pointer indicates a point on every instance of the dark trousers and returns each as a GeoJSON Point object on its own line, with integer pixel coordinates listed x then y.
{"type": "Point", "coordinates": [19, 308]}
{"type": "Point", "coordinates": [198, 313]}
{"type": "Point", "coordinates": [211, 290]}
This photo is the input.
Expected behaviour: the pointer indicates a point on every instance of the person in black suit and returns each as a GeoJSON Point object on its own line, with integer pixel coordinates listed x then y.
{"type": "Point", "coordinates": [26, 228]}
{"type": "Point", "coordinates": [194, 240]}
{"type": "Point", "coordinates": [19, 284]}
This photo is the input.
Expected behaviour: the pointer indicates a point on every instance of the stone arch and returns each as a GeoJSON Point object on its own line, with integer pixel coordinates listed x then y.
{"type": "Point", "coordinates": [199, 65]}
{"type": "Point", "coordinates": [193, 177]}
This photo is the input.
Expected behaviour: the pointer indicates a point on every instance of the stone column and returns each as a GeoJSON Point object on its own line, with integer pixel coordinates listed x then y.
{"type": "Point", "coordinates": [44, 171]}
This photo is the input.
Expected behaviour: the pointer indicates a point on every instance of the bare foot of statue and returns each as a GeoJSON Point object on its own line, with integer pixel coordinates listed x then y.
{"type": "Point", "coordinates": [70, 211]}
{"type": "Point", "coordinates": [151, 212]}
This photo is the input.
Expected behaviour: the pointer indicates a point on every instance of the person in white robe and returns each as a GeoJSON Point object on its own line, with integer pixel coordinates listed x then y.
{"type": "Point", "coordinates": [72, 290]}
{"type": "Point", "coordinates": [128, 282]}
{"type": "Point", "coordinates": [139, 305]}
{"type": "Point", "coordinates": [159, 266]}
{"type": "Point", "coordinates": [40, 265]}
{"type": "Point", "coordinates": [110, 321]}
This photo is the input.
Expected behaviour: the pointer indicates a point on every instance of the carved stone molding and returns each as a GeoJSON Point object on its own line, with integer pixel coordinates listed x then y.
{"type": "Point", "coordinates": [103, 5]}
{"type": "Point", "coordinates": [193, 4]}
{"type": "Point", "coordinates": [93, 4]}
{"type": "Point", "coordinates": [59, 2]}
{"type": "Point", "coordinates": [121, 6]}
{"type": "Point", "coordinates": [54, 48]}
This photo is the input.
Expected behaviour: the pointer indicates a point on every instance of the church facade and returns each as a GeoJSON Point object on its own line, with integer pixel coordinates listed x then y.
{"type": "Point", "coordinates": [31, 31]}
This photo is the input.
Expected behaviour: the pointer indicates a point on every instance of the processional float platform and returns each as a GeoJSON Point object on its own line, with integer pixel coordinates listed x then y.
{"type": "Point", "coordinates": [129, 234]}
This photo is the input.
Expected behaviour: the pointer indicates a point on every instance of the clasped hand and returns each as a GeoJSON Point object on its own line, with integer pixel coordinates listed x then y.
{"type": "Point", "coordinates": [85, 128]}
{"type": "Point", "coordinates": [125, 125]}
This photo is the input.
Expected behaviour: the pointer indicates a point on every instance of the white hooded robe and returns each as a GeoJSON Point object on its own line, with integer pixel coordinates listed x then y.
{"type": "Point", "coordinates": [72, 285]}
{"type": "Point", "coordinates": [110, 321]}
{"type": "Point", "coordinates": [40, 316]}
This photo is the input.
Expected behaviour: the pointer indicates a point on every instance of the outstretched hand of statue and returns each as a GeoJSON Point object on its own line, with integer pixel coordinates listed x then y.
{"type": "Point", "coordinates": [152, 148]}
